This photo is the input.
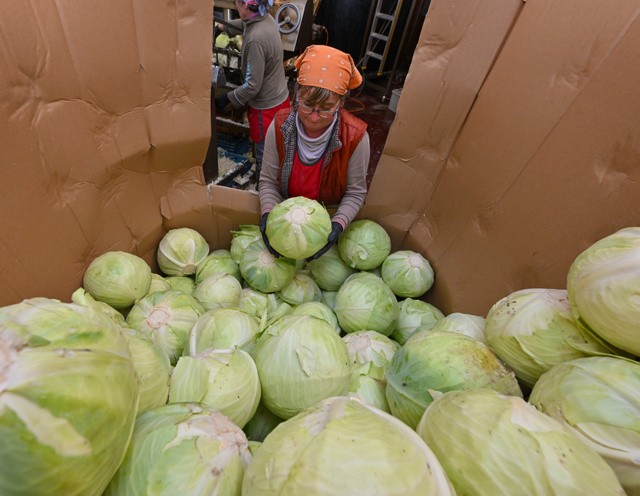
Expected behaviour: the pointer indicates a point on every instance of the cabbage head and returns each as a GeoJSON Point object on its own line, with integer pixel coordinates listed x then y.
{"type": "Point", "coordinates": [365, 302]}
{"type": "Point", "coordinates": [264, 272]}
{"type": "Point", "coordinates": [153, 369]}
{"type": "Point", "coordinates": [219, 290]}
{"type": "Point", "coordinates": [364, 245]}
{"type": "Point", "coordinates": [414, 315]}
{"type": "Point", "coordinates": [370, 346]}
{"type": "Point", "coordinates": [261, 424]}
{"type": "Point", "coordinates": [167, 318]}
{"type": "Point", "coordinates": [463, 323]}
{"type": "Point", "coordinates": [603, 286]}
{"type": "Point", "coordinates": [240, 239]}
{"type": "Point", "coordinates": [343, 446]}
{"type": "Point", "coordinates": [185, 284]}
{"type": "Point", "coordinates": [117, 278]}
{"type": "Point", "coordinates": [490, 444]}
{"type": "Point", "coordinates": [217, 261]}
{"type": "Point", "coordinates": [222, 328]}
{"type": "Point", "coordinates": [317, 309]}
{"type": "Point", "coordinates": [158, 283]}
{"type": "Point", "coordinates": [81, 297]}
{"type": "Point", "coordinates": [407, 273]}
{"type": "Point", "coordinates": [329, 298]}
{"type": "Point", "coordinates": [223, 379]}
{"type": "Point", "coordinates": [298, 227]}
{"type": "Point", "coordinates": [442, 361]}
{"type": "Point", "coordinates": [598, 399]}
{"type": "Point", "coordinates": [301, 289]}
{"type": "Point", "coordinates": [183, 448]}
{"type": "Point", "coordinates": [180, 251]}
{"type": "Point", "coordinates": [329, 271]}
{"type": "Point", "coordinates": [300, 360]}
{"type": "Point", "coordinates": [532, 330]}
{"type": "Point", "coordinates": [368, 385]}
{"type": "Point", "coordinates": [68, 398]}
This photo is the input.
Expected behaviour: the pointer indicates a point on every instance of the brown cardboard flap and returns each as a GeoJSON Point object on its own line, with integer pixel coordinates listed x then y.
{"type": "Point", "coordinates": [544, 164]}
{"type": "Point", "coordinates": [104, 110]}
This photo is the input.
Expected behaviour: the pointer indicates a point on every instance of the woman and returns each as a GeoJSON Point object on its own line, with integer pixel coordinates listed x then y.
{"type": "Point", "coordinates": [318, 149]}
{"type": "Point", "coordinates": [265, 89]}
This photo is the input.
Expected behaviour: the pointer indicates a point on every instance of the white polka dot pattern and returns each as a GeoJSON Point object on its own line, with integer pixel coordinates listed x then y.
{"type": "Point", "coordinates": [324, 67]}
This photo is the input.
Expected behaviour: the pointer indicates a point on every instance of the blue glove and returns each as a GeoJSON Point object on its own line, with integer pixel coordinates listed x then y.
{"type": "Point", "coordinates": [336, 230]}
{"type": "Point", "coordinates": [263, 230]}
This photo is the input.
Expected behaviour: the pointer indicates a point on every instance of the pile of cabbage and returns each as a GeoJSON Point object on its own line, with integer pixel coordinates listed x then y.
{"type": "Point", "coordinates": [230, 371]}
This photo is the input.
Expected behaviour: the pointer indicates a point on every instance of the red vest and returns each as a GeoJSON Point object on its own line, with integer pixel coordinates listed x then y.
{"type": "Point", "coordinates": [333, 179]}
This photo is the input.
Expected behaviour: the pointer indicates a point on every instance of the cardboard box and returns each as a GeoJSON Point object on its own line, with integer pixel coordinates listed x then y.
{"type": "Point", "coordinates": [515, 143]}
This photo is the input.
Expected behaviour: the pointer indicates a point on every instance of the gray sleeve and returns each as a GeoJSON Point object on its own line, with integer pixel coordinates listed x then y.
{"type": "Point", "coordinates": [237, 29]}
{"type": "Point", "coordinates": [255, 60]}
{"type": "Point", "coordinates": [356, 192]}
{"type": "Point", "coordinates": [269, 186]}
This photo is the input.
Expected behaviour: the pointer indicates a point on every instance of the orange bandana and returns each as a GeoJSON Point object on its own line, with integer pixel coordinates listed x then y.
{"type": "Point", "coordinates": [327, 68]}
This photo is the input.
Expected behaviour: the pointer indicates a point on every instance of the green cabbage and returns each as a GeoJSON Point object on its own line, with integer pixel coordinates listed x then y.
{"type": "Point", "coordinates": [302, 288]}
{"type": "Point", "coordinates": [598, 399]}
{"type": "Point", "coordinates": [240, 239]}
{"type": "Point", "coordinates": [329, 271]}
{"type": "Point", "coordinates": [117, 278]}
{"type": "Point", "coordinates": [364, 245]}
{"type": "Point", "coordinates": [68, 398]}
{"type": "Point", "coordinates": [414, 315]}
{"type": "Point", "coordinates": [261, 424]}
{"type": "Point", "coordinates": [222, 328]}
{"type": "Point", "coordinates": [167, 318]}
{"type": "Point", "coordinates": [180, 251]}
{"type": "Point", "coordinates": [318, 309]}
{"type": "Point", "coordinates": [492, 444]}
{"type": "Point", "coordinates": [300, 360]}
{"type": "Point", "coordinates": [158, 283]}
{"type": "Point", "coordinates": [365, 302]}
{"type": "Point", "coordinates": [185, 284]}
{"type": "Point", "coordinates": [152, 367]}
{"type": "Point", "coordinates": [183, 448]}
{"type": "Point", "coordinates": [368, 385]}
{"type": "Point", "coordinates": [264, 272]}
{"type": "Point", "coordinates": [442, 361]}
{"type": "Point", "coordinates": [532, 330]}
{"type": "Point", "coordinates": [603, 286]}
{"type": "Point", "coordinates": [298, 227]}
{"type": "Point", "coordinates": [219, 290]}
{"type": "Point", "coordinates": [217, 261]}
{"type": "Point", "coordinates": [343, 446]}
{"type": "Point", "coordinates": [370, 346]}
{"type": "Point", "coordinates": [223, 379]}
{"type": "Point", "coordinates": [407, 273]}
{"type": "Point", "coordinates": [462, 323]}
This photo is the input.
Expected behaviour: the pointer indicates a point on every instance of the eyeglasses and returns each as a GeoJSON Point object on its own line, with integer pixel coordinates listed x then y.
{"type": "Point", "coordinates": [324, 114]}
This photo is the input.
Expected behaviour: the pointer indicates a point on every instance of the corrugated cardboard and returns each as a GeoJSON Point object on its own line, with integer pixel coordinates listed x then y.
{"type": "Point", "coordinates": [515, 143]}
{"type": "Point", "coordinates": [505, 196]}
{"type": "Point", "coordinates": [104, 123]}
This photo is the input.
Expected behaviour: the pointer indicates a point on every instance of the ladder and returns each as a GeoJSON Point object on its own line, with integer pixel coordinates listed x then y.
{"type": "Point", "coordinates": [383, 25]}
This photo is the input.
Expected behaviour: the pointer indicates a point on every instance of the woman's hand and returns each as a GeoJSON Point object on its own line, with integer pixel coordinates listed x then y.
{"type": "Point", "coordinates": [336, 230]}
{"type": "Point", "coordinates": [263, 230]}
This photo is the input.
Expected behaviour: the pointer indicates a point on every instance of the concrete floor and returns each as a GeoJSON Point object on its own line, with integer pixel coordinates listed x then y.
{"type": "Point", "coordinates": [368, 105]}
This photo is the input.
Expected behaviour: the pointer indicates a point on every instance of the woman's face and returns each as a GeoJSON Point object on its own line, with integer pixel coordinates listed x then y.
{"type": "Point", "coordinates": [243, 10]}
{"type": "Point", "coordinates": [314, 125]}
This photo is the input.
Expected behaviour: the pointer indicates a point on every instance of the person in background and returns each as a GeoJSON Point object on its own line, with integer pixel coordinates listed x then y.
{"type": "Point", "coordinates": [265, 89]}
{"type": "Point", "coordinates": [317, 149]}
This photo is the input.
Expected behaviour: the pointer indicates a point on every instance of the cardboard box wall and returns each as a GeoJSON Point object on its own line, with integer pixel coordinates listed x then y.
{"type": "Point", "coordinates": [515, 143]}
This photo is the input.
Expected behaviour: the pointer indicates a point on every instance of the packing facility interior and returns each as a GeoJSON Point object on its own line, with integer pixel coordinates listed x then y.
{"type": "Point", "coordinates": [380, 35]}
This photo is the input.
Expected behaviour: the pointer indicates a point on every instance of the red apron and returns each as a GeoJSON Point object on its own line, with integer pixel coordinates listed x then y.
{"type": "Point", "coordinates": [305, 179]}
